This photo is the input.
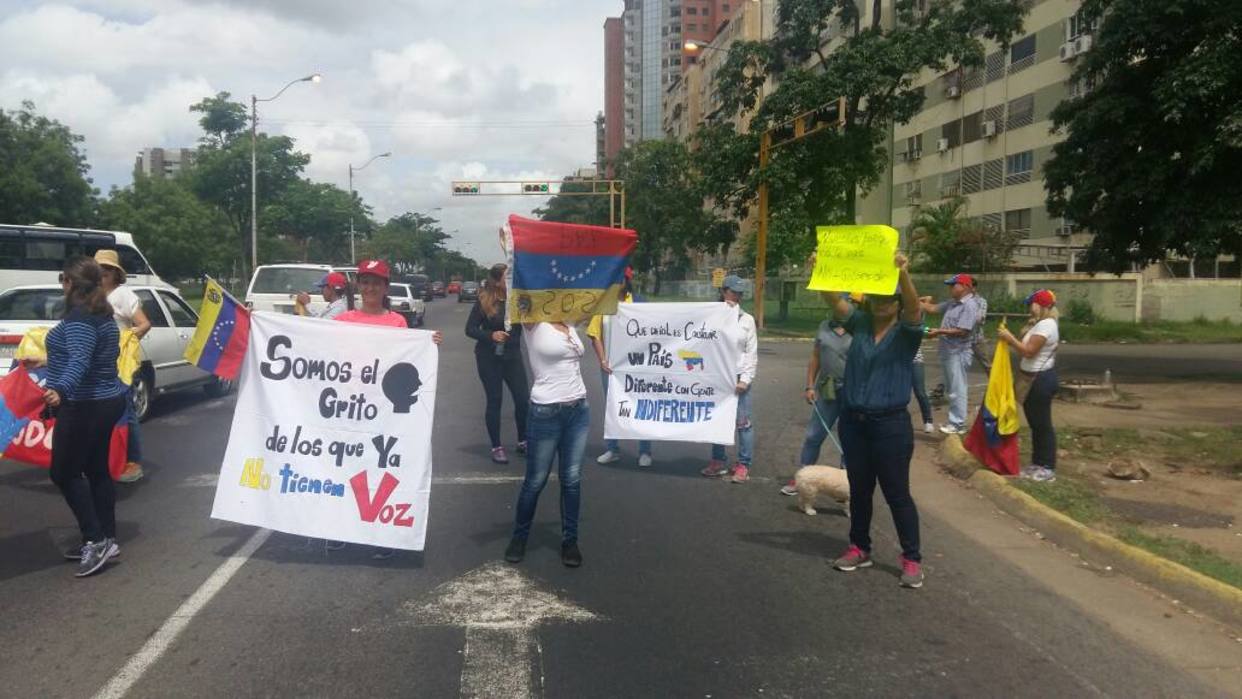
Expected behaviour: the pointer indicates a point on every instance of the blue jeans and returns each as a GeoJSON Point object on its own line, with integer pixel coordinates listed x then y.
{"type": "Point", "coordinates": [879, 448]}
{"type": "Point", "coordinates": [133, 448]}
{"type": "Point", "coordinates": [745, 434]}
{"type": "Point", "coordinates": [920, 392]}
{"type": "Point", "coordinates": [644, 446]}
{"type": "Point", "coordinates": [552, 431]}
{"type": "Point", "coordinates": [955, 365]}
{"type": "Point", "coordinates": [816, 432]}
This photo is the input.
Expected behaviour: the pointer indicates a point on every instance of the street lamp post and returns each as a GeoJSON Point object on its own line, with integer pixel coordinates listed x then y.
{"type": "Point", "coordinates": [353, 259]}
{"type": "Point", "coordinates": [254, 170]}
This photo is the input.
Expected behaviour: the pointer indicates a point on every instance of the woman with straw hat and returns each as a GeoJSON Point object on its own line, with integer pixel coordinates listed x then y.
{"type": "Point", "coordinates": [127, 310]}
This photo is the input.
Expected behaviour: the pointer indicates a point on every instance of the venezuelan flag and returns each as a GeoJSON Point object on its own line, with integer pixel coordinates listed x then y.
{"type": "Point", "coordinates": [219, 342]}
{"type": "Point", "coordinates": [20, 399]}
{"type": "Point", "coordinates": [565, 271]}
{"type": "Point", "coordinates": [993, 439]}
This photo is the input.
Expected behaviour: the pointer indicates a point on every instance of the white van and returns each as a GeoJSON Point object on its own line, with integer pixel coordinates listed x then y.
{"type": "Point", "coordinates": [274, 287]}
{"type": "Point", "coordinates": [36, 254]}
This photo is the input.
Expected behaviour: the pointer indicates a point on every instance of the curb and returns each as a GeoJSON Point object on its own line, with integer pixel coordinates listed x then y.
{"type": "Point", "coordinates": [1224, 602]}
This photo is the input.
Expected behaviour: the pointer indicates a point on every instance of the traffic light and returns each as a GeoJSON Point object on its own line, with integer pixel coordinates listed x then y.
{"type": "Point", "coordinates": [465, 188]}
{"type": "Point", "coordinates": [535, 188]}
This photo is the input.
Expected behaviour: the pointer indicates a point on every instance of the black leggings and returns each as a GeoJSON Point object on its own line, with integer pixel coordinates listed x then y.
{"type": "Point", "coordinates": [80, 444]}
{"type": "Point", "coordinates": [879, 448]}
{"type": "Point", "coordinates": [1038, 409]}
{"type": "Point", "coordinates": [493, 373]}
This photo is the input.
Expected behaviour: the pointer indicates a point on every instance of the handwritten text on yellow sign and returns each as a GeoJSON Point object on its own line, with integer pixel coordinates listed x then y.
{"type": "Point", "coordinates": [855, 258]}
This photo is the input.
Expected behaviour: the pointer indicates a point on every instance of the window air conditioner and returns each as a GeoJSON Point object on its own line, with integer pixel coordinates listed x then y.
{"type": "Point", "coordinates": [954, 92]}
{"type": "Point", "coordinates": [942, 145]}
{"type": "Point", "coordinates": [1082, 44]}
{"type": "Point", "coordinates": [916, 154]}
{"type": "Point", "coordinates": [989, 128]}
{"type": "Point", "coordinates": [1067, 51]}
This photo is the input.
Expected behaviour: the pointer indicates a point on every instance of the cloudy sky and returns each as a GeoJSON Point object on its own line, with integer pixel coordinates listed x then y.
{"type": "Point", "coordinates": [482, 89]}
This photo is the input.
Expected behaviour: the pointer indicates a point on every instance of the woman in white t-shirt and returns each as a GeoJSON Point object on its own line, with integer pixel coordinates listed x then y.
{"type": "Point", "coordinates": [1038, 348]}
{"type": "Point", "coordinates": [127, 310]}
{"type": "Point", "coordinates": [556, 427]}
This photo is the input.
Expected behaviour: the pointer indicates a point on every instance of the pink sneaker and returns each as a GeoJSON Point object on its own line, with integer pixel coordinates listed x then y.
{"type": "Point", "coordinates": [790, 488]}
{"type": "Point", "coordinates": [853, 559]}
{"type": "Point", "coordinates": [911, 573]}
{"type": "Point", "coordinates": [499, 456]}
{"type": "Point", "coordinates": [741, 474]}
{"type": "Point", "coordinates": [715, 469]}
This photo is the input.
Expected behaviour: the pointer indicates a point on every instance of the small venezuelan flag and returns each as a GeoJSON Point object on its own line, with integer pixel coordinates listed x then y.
{"type": "Point", "coordinates": [219, 342]}
{"type": "Point", "coordinates": [566, 271]}
{"type": "Point", "coordinates": [993, 439]}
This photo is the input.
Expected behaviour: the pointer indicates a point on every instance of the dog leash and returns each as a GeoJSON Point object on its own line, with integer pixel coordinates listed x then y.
{"type": "Point", "coordinates": [822, 421]}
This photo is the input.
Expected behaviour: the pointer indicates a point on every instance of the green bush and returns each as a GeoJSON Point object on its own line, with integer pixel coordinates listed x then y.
{"type": "Point", "coordinates": [1080, 311]}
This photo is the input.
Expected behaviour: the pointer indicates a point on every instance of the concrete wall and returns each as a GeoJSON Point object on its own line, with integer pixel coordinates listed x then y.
{"type": "Point", "coordinates": [1187, 299]}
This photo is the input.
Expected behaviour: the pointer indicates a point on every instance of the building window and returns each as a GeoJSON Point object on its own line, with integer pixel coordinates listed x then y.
{"type": "Point", "coordinates": [993, 174]}
{"type": "Point", "coordinates": [1022, 48]}
{"type": "Point", "coordinates": [1018, 167]}
{"type": "Point", "coordinates": [914, 147]}
{"type": "Point", "coordinates": [950, 183]}
{"type": "Point", "coordinates": [725, 8]}
{"type": "Point", "coordinates": [674, 11]}
{"type": "Point", "coordinates": [692, 10]}
{"type": "Point", "coordinates": [1077, 25]}
{"type": "Point", "coordinates": [1018, 221]}
{"type": "Point", "coordinates": [1021, 111]}
{"type": "Point", "coordinates": [972, 129]}
{"type": "Point", "coordinates": [995, 66]}
{"type": "Point", "coordinates": [952, 132]}
{"type": "Point", "coordinates": [914, 191]}
{"type": "Point", "coordinates": [972, 179]}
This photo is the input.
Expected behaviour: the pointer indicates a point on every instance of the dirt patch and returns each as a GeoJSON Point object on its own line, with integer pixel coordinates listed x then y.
{"type": "Point", "coordinates": [1163, 405]}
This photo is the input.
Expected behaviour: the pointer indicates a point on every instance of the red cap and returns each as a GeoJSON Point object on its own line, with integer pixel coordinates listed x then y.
{"type": "Point", "coordinates": [1043, 297]}
{"type": "Point", "coordinates": [963, 279]}
{"type": "Point", "coordinates": [336, 280]}
{"type": "Point", "coordinates": [378, 268]}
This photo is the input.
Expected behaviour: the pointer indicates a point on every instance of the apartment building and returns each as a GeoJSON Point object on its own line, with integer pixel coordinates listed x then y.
{"type": "Point", "coordinates": [162, 162]}
{"type": "Point", "coordinates": [613, 126]}
{"type": "Point", "coordinates": [985, 135]}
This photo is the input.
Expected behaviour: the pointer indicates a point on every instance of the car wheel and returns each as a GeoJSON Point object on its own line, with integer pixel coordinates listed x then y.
{"type": "Point", "coordinates": [217, 387]}
{"type": "Point", "coordinates": [142, 395]}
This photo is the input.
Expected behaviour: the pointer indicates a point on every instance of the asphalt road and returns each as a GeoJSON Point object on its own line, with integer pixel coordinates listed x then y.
{"type": "Point", "coordinates": [693, 587]}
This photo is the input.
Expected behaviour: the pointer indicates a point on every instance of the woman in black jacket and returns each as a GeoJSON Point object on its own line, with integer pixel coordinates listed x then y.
{"type": "Point", "coordinates": [498, 356]}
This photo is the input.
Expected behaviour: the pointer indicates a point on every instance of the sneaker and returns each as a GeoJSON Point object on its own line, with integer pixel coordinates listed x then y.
{"type": "Point", "coordinates": [741, 474]}
{"type": "Point", "coordinates": [132, 472]}
{"type": "Point", "coordinates": [715, 469]}
{"type": "Point", "coordinates": [521, 448]}
{"type": "Point", "coordinates": [570, 555]}
{"type": "Point", "coordinates": [94, 556]}
{"type": "Point", "coordinates": [929, 428]}
{"type": "Point", "coordinates": [75, 553]}
{"type": "Point", "coordinates": [1026, 471]}
{"type": "Point", "coordinates": [1043, 474]}
{"type": "Point", "coordinates": [644, 460]}
{"type": "Point", "coordinates": [951, 429]}
{"type": "Point", "coordinates": [516, 550]}
{"type": "Point", "coordinates": [790, 488]}
{"type": "Point", "coordinates": [911, 573]}
{"type": "Point", "coordinates": [853, 559]}
{"type": "Point", "coordinates": [608, 457]}
{"type": "Point", "coordinates": [382, 554]}
{"type": "Point", "coordinates": [499, 456]}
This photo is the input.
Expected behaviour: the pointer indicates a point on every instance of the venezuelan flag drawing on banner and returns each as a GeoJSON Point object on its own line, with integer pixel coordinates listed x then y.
{"type": "Point", "coordinates": [565, 271]}
{"type": "Point", "coordinates": [219, 342]}
{"type": "Point", "coordinates": [993, 439]}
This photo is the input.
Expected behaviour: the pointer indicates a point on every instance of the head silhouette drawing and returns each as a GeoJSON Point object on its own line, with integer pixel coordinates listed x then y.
{"type": "Point", "coordinates": [401, 384]}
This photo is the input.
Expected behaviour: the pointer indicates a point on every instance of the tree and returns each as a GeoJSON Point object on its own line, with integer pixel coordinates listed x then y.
{"type": "Point", "coordinates": [181, 236]}
{"type": "Point", "coordinates": [315, 217]}
{"type": "Point", "coordinates": [412, 239]}
{"type": "Point", "coordinates": [945, 240]}
{"type": "Point", "coordinates": [222, 119]}
{"type": "Point", "coordinates": [664, 204]}
{"type": "Point", "coordinates": [1153, 149]}
{"type": "Point", "coordinates": [874, 68]}
{"type": "Point", "coordinates": [43, 171]}
{"type": "Point", "coordinates": [589, 210]}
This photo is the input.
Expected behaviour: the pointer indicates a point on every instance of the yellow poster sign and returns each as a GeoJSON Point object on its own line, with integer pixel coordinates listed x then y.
{"type": "Point", "coordinates": [855, 258]}
{"type": "Point", "coordinates": [718, 276]}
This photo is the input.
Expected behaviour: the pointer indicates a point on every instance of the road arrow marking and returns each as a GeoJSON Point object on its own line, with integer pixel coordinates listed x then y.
{"type": "Point", "coordinates": [500, 609]}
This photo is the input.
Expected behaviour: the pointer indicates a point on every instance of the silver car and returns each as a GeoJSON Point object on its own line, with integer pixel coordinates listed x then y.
{"type": "Point", "coordinates": [164, 368]}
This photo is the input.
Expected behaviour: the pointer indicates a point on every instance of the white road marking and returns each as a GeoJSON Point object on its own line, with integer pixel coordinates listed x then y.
{"type": "Point", "coordinates": [167, 634]}
{"type": "Point", "coordinates": [500, 609]}
{"type": "Point", "coordinates": [202, 480]}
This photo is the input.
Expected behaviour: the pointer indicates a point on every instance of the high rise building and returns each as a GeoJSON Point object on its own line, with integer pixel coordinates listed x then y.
{"type": "Point", "coordinates": [163, 162]}
{"type": "Point", "coordinates": [614, 93]}
{"type": "Point", "coordinates": [632, 75]}
{"type": "Point", "coordinates": [655, 47]}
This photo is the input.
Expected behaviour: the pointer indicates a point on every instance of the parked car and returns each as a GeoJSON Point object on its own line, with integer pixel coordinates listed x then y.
{"type": "Point", "coordinates": [414, 310]}
{"type": "Point", "coordinates": [437, 290]}
{"type": "Point", "coordinates": [36, 254]}
{"type": "Point", "coordinates": [420, 284]}
{"type": "Point", "coordinates": [274, 287]}
{"type": "Point", "coordinates": [164, 368]}
{"type": "Point", "coordinates": [454, 287]}
{"type": "Point", "coordinates": [469, 292]}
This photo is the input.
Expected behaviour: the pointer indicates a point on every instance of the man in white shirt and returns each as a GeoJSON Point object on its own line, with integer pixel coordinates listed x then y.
{"type": "Point", "coordinates": [748, 346]}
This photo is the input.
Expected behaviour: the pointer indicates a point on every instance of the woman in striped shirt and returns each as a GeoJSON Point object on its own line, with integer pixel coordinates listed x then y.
{"type": "Point", "coordinates": [83, 388]}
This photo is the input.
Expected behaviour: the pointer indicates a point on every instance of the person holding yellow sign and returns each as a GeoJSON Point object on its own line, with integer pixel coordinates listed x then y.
{"type": "Point", "coordinates": [876, 434]}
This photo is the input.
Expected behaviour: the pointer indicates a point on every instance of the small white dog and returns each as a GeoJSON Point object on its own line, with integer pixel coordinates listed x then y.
{"type": "Point", "coordinates": [822, 480]}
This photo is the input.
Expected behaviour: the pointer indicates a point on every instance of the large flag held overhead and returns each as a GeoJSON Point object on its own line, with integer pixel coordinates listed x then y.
{"type": "Point", "coordinates": [565, 271]}
{"type": "Point", "coordinates": [993, 439]}
{"type": "Point", "coordinates": [219, 342]}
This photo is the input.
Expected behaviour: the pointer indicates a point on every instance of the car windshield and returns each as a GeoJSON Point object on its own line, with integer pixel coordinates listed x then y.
{"type": "Point", "coordinates": [470, 285]}
{"type": "Point", "coordinates": [33, 304]}
{"type": "Point", "coordinates": [285, 280]}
